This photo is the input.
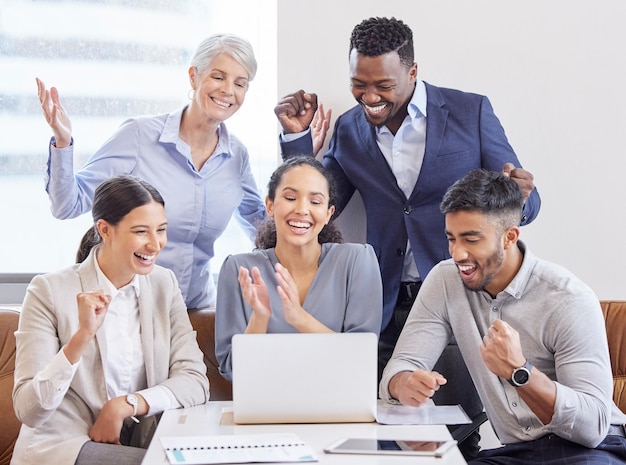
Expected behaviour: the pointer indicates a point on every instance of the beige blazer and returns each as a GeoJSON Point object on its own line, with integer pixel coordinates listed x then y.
{"type": "Point", "coordinates": [48, 320]}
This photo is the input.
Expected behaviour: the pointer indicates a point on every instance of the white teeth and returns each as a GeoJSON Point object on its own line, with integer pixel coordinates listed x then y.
{"type": "Point", "coordinates": [145, 257]}
{"type": "Point", "coordinates": [299, 224]}
{"type": "Point", "coordinates": [465, 267]}
{"type": "Point", "coordinates": [376, 109]}
{"type": "Point", "coordinates": [221, 103]}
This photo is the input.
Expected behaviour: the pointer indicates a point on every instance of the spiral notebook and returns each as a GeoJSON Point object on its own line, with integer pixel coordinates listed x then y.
{"type": "Point", "coordinates": [238, 448]}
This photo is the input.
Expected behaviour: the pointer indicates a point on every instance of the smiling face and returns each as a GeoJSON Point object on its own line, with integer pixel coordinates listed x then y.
{"type": "Point", "coordinates": [132, 246]}
{"type": "Point", "coordinates": [221, 90]}
{"type": "Point", "coordinates": [481, 251]}
{"type": "Point", "coordinates": [300, 207]}
{"type": "Point", "coordinates": [383, 87]}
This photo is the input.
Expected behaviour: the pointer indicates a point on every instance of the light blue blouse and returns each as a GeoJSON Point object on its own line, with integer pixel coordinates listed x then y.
{"type": "Point", "coordinates": [198, 204]}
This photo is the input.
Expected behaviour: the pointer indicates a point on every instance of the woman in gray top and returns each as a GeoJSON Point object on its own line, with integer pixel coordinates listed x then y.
{"type": "Point", "coordinates": [301, 278]}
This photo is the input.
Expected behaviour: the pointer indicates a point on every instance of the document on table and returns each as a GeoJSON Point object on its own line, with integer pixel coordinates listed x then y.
{"type": "Point", "coordinates": [427, 414]}
{"type": "Point", "coordinates": [237, 448]}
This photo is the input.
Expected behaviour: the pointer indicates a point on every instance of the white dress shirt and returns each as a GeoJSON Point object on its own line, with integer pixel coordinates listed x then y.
{"type": "Point", "coordinates": [124, 368]}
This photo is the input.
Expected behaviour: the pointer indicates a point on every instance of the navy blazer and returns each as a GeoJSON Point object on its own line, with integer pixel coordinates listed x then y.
{"type": "Point", "coordinates": [462, 134]}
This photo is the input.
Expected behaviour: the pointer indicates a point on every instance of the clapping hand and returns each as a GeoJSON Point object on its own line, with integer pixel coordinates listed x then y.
{"type": "Point", "coordinates": [254, 292]}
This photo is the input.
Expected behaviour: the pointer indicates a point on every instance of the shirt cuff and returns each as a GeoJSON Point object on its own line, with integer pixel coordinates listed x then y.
{"type": "Point", "coordinates": [293, 135]}
{"type": "Point", "coordinates": [61, 160]}
{"type": "Point", "coordinates": [53, 142]}
{"type": "Point", "coordinates": [159, 399]}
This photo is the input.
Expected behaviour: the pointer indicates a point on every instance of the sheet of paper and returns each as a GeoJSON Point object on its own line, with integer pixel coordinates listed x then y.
{"type": "Point", "coordinates": [427, 414]}
{"type": "Point", "coordinates": [238, 448]}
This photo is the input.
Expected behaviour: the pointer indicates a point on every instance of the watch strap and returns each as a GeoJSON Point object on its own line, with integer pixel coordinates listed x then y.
{"type": "Point", "coordinates": [134, 402]}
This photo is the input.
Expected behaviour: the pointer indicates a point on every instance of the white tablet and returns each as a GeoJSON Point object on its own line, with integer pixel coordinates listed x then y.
{"type": "Point", "coordinates": [390, 447]}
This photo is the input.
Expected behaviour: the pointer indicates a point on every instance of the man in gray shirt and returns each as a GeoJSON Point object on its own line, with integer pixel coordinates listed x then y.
{"type": "Point", "coordinates": [531, 333]}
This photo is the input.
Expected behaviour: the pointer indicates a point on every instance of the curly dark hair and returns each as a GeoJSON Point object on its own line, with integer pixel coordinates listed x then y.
{"type": "Point", "coordinates": [377, 36]}
{"type": "Point", "coordinates": [266, 232]}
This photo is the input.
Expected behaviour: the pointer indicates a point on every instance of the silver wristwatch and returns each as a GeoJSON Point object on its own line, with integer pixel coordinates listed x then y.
{"type": "Point", "coordinates": [521, 375]}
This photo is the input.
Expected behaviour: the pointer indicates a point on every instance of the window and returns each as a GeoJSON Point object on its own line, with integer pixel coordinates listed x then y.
{"type": "Point", "coordinates": [111, 59]}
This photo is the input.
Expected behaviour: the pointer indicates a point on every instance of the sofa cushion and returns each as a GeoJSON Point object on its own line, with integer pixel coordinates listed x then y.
{"type": "Point", "coordinates": [615, 319]}
{"type": "Point", "coordinates": [203, 321]}
{"type": "Point", "coordinates": [10, 424]}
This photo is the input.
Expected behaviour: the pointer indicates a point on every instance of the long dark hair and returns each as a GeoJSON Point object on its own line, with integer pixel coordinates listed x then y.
{"type": "Point", "coordinates": [266, 232]}
{"type": "Point", "coordinates": [112, 201]}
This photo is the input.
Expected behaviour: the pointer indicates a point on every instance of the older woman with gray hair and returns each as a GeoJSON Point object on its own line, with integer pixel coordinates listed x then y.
{"type": "Point", "coordinates": [200, 168]}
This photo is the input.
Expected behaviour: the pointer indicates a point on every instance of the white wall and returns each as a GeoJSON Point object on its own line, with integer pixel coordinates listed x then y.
{"type": "Point", "coordinates": [555, 74]}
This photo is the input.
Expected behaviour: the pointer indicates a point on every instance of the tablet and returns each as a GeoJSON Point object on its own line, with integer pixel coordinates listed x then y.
{"type": "Point", "coordinates": [390, 447]}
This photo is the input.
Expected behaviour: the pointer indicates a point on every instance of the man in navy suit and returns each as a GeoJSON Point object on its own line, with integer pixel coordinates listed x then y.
{"type": "Point", "coordinates": [401, 147]}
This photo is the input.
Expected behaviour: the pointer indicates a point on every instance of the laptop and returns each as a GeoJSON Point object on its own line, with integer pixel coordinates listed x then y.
{"type": "Point", "coordinates": [304, 378]}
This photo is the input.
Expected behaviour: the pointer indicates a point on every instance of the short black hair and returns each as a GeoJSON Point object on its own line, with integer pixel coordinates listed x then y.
{"type": "Point", "coordinates": [377, 36]}
{"type": "Point", "coordinates": [488, 192]}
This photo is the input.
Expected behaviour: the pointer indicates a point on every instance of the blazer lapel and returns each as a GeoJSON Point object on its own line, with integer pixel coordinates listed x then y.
{"type": "Point", "coordinates": [370, 146]}
{"type": "Point", "coordinates": [89, 282]}
{"type": "Point", "coordinates": [146, 305]}
{"type": "Point", "coordinates": [435, 121]}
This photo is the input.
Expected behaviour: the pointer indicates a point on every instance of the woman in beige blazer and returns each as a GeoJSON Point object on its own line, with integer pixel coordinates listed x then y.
{"type": "Point", "coordinates": [105, 345]}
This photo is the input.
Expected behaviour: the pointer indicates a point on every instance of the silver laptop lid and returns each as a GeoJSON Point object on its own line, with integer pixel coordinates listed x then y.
{"type": "Point", "coordinates": [304, 378]}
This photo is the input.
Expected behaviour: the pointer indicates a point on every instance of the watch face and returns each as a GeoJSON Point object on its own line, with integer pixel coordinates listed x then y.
{"type": "Point", "coordinates": [521, 376]}
{"type": "Point", "coordinates": [131, 399]}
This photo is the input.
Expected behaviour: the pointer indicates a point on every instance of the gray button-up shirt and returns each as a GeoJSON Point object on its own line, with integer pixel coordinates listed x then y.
{"type": "Point", "coordinates": [562, 334]}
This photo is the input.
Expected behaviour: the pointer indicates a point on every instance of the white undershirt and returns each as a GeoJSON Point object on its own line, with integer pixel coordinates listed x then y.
{"type": "Point", "coordinates": [124, 368]}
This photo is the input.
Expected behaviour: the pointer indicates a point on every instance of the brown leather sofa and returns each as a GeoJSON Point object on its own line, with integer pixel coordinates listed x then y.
{"type": "Point", "coordinates": [615, 319]}
{"type": "Point", "coordinates": [10, 424]}
{"type": "Point", "coordinates": [204, 323]}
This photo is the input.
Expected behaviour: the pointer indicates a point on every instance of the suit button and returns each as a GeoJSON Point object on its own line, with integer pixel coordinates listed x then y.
{"type": "Point", "coordinates": [408, 209]}
{"type": "Point", "coordinates": [400, 252]}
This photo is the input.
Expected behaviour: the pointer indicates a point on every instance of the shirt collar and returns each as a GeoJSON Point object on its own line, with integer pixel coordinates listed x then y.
{"type": "Point", "coordinates": [416, 107]}
{"type": "Point", "coordinates": [108, 287]}
{"type": "Point", "coordinates": [171, 133]}
{"type": "Point", "coordinates": [223, 141]}
{"type": "Point", "coordinates": [171, 128]}
{"type": "Point", "coordinates": [417, 104]}
{"type": "Point", "coordinates": [518, 284]}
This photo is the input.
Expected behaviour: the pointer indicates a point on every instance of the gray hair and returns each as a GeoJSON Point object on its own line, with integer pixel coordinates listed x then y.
{"type": "Point", "coordinates": [236, 47]}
